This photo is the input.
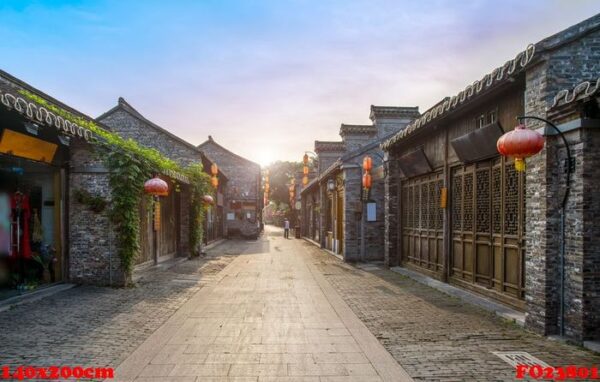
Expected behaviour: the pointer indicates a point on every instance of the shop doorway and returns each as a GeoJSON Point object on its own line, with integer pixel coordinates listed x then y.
{"type": "Point", "coordinates": [30, 225]}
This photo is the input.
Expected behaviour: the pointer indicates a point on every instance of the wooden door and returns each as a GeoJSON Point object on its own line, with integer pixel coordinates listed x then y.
{"type": "Point", "coordinates": [146, 232]}
{"type": "Point", "coordinates": [340, 220]}
{"type": "Point", "coordinates": [487, 220]}
{"type": "Point", "coordinates": [423, 222]}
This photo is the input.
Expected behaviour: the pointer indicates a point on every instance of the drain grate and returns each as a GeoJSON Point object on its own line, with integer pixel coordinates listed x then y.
{"type": "Point", "coordinates": [515, 358]}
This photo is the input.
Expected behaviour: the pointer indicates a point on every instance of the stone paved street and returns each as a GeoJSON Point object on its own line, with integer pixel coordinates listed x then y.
{"type": "Point", "coordinates": [102, 326]}
{"type": "Point", "coordinates": [270, 317]}
{"type": "Point", "coordinates": [433, 336]}
{"type": "Point", "coordinates": [271, 310]}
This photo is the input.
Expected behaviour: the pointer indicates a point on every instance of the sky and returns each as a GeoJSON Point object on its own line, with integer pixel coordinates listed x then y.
{"type": "Point", "coordinates": [267, 78]}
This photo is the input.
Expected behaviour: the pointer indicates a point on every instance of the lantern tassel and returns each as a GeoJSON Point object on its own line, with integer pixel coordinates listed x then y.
{"type": "Point", "coordinates": [520, 164]}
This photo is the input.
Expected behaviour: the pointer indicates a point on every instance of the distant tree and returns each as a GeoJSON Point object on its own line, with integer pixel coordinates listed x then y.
{"type": "Point", "coordinates": [280, 174]}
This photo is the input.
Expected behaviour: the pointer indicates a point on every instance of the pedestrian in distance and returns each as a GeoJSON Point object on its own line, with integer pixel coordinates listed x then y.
{"type": "Point", "coordinates": [286, 229]}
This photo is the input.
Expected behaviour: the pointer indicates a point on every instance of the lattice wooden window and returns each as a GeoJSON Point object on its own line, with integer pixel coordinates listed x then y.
{"type": "Point", "coordinates": [457, 202]}
{"type": "Point", "coordinates": [483, 200]}
{"type": "Point", "coordinates": [497, 200]}
{"type": "Point", "coordinates": [511, 200]}
{"type": "Point", "coordinates": [410, 208]}
{"type": "Point", "coordinates": [468, 203]}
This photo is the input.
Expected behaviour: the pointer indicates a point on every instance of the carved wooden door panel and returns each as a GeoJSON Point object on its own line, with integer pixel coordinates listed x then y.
{"type": "Point", "coordinates": [487, 221]}
{"type": "Point", "coordinates": [423, 222]}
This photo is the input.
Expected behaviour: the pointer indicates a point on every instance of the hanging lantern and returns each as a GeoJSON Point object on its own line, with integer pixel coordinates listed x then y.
{"type": "Point", "coordinates": [214, 181]}
{"type": "Point", "coordinates": [305, 170]}
{"type": "Point", "coordinates": [305, 180]}
{"type": "Point", "coordinates": [156, 187]}
{"type": "Point", "coordinates": [214, 169]}
{"type": "Point", "coordinates": [367, 163]}
{"type": "Point", "coordinates": [291, 188]}
{"type": "Point", "coordinates": [305, 159]}
{"type": "Point", "coordinates": [367, 180]}
{"type": "Point", "coordinates": [520, 143]}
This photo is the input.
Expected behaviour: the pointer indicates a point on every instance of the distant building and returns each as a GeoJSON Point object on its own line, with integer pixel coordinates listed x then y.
{"type": "Point", "coordinates": [332, 206]}
{"type": "Point", "coordinates": [243, 199]}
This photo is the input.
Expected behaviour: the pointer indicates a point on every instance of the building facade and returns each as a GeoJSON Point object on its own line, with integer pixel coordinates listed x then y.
{"type": "Point", "coordinates": [127, 122]}
{"type": "Point", "coordinates": [243, 198]}
{"type": "Point", "coordinates": [459, 212]}
{"type": "Point", "coordinates": [55, 194]}
{"type": "Point", "coordinates": [336, 213]}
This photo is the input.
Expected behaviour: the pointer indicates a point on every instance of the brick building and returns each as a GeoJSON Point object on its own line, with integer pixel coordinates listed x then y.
{"type": "Point", "coordinates": [49, 166]}
{"type": "Point", "coordinates": [458, 212]}
{"type": "Point", "coordinates": [126, 121]}
{"type": "Point", "coordinates": [332, 211]}
{"type": "Point", "coordinates": [243, 199]}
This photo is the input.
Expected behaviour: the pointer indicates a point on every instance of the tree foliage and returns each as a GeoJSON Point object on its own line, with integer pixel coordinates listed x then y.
{"type": "Point", "coordinates": [279, 180]}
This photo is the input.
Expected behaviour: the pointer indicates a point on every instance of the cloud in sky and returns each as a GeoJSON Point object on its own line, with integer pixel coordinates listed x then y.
{"type": "Point", "coordinates": [267, 78]}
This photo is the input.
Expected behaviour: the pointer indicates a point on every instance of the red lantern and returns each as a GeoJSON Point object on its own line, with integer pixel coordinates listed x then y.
{"type": "Point", "coordinates": [305, 180]}
{"type": "Point", "coordinates": [214, 169]}
{"type": "Point", "coordinates": [520, 143]}
{"type": "Point", "coordinates": [305, 170]}
{"type": "Point", "coordinates": [156, 187]}
{"type": "Point", "coordinates": [207, 199]}
{"type": "Point", "coordinates": [367, 163]}
{"type": "Point", "coordinates": [367, 181]}
{"type": "Point", "coordinates": [214, 181]}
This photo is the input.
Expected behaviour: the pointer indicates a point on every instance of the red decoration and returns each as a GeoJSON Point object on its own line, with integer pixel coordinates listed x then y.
{"type": "Point", "coordinates": [208, 199]}
{"type": "Point", "coordinates": [367, 181]}
{"type": "Point", "coordinates": [214, 181]}
{"type": "Point", "coordinates": [520, 143]}
{"type": "Point", "coordinates": [156, 187]}
{"type": "Point", "coordinates": [367, 163]}
{"type": "Point", "coordinates": [214, 169]}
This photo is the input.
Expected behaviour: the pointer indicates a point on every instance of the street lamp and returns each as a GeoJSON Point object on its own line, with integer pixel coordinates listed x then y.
{"type": "Point", "coordinates": [522, 143]}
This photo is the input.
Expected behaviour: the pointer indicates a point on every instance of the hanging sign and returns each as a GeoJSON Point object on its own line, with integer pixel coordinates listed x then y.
{"type": "Point", "coordinates": [157, 216]}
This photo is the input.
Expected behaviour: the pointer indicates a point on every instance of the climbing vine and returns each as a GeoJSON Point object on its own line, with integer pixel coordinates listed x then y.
{"type": "Point", "coordinates": [199, 187]}
{"type": "Point", "coordinates": [130, 165]}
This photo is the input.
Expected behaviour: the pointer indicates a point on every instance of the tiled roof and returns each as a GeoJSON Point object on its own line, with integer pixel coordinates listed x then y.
{"type": "Point", "coordinates": [126, 106]}
{"type": "Point", "coordinates": [394, 112]}
{"type": "Point", "coordinates": [11, 97]}
{"type": "Point", "coordinates": [329, 146]}
{"type": "Point", "coordinates": [448, 104]}
{"type": "Point", "coordinates": [357, 129]}
{"type": "Point", "coordinates": [498, 76]}
{"type": "Point", "coordinates": [210, 140]}
{"type": "Point", "coordinates": [583, 90]}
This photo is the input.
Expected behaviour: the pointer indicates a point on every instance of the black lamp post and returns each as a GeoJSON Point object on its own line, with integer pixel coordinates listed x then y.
{"type": "Point", "coordinates": [569, 165]}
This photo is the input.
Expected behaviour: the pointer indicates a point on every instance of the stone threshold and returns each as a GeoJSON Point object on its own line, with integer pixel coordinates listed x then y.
{"type": "Point", "coordinates": [466, 296]}
{"type": "Point", "coordinates": [33, 296]}
{"type": "Point", "coordinates": [324, 249]}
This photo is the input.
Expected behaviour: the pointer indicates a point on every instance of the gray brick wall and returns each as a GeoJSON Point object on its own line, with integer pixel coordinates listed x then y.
{"type": "Point", "coordinates": [565, 67]}
{"type": "Point", "coordinates": [93, 257]}
{"type": "Point", "coordinates": [128, 126]}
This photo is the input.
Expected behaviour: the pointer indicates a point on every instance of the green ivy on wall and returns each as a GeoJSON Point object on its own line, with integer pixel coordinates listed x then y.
{"type": "Point", "coordinates": [199, 187]}
{"type": "Point", "coordinates": [130, 165]}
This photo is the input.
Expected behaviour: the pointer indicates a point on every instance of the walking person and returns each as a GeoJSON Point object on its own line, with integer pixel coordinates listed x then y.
{"type": "Point", "coordinates": [286, 229]}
